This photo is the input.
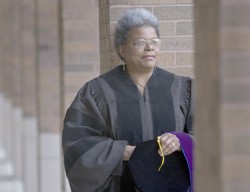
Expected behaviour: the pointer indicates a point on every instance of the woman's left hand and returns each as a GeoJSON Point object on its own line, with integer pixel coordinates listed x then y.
{"type": "Point", "coordinates": [169, 143]}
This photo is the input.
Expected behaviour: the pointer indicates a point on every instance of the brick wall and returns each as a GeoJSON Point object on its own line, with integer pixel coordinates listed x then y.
{"type": "Point", "coordinates": [80, 45]}
{"type": "Point", "coordinates": [49, 65]}
{"type": "Point", "coordinates": [176, 28]}
{"type": "Point", "coordinates": [4, 42]}
{"type": "Point", "coordinates": [15, 53]}
{"type": "Point", "coordinates": [18, 54]}
{"type": "Point", "coordinates": [1, 46]}
{"type": "Point", "coordinates": [10, 42]}
{"type": "Point", "coordinates": [29, 57]}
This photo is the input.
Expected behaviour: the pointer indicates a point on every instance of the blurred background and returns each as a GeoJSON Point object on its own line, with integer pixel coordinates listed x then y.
{"type": "Point", "coordinates": [50, 48]}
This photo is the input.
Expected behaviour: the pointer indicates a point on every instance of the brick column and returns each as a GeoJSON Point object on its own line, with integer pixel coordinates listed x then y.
{"type": "Point", "coordinates": [49, 94]}
{"type": "Point", "coordinates": [29, 56]}
{"type": "Point", "coordinates": [15, 87]}
{"type": "Point", "coordinates": [15, 52]}
{"type": "Point", "coordinates": [80, 47]}
{"type": "Point", "coordinates": [1, 45]}
{"type": "Point", "coordinates": [29, 93]}
{"type": "Point", "coordinates": [5, 41]}
{"type": "Point", "coordinates": [1, 72]}
{"type": "Point", "coordinates": [176, 28]}
{"type": "Point", "coordinates": [5, 77]}
{"type": "Point", "coordinates": [10, 89]}
{"type": "Point", "coordinates": [222, 111]}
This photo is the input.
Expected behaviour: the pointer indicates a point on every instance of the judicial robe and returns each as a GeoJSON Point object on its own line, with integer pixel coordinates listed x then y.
{"type": "Point", "coordinates": [110, 112]}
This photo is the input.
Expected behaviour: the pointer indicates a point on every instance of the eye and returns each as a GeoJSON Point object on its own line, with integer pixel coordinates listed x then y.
{"type": "Point", "coordinates": [155, 42]}
{"type": "Point", "coordinates": [141, 42]}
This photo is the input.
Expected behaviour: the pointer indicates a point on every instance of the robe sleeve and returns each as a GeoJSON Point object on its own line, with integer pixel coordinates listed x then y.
{"type": "Point", "coordinates": [91, 158]}
{"type": "Point", "coordinates": [187, 103]}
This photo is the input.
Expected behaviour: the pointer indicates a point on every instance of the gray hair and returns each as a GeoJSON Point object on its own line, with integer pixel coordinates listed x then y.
{"type": "Point", "coordinates": [133, 18]}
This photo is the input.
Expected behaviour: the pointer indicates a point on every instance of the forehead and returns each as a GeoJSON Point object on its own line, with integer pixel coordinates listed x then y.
{"type": "Point", "coordinates": [146, 32]}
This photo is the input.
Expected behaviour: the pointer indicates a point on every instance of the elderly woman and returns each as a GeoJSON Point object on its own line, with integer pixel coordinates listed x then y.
{"type": "Point", "coordinates": [130, 104]}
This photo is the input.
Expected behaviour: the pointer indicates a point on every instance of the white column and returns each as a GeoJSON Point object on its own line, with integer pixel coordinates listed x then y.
{"type": "Point", "coordinates": [18, 141]}
{"type": "Point", "coordinates": [30, 161]}
{"type": "Point", "coordinates": [50, 162]}
{"type": "Point", "coordinates": [6, 128]}
{"type": "Point", "coordinates": [10, 147]}
{"type": "Point", "coordinates": [1, 120]}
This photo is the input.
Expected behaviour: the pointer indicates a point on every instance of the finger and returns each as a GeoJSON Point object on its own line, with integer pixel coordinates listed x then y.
{"type": "Point", "coordinates": [165, 141]}
{"type": "Point", "coordinates": [169, 149]}
{"type": "Point", "coordinates": [166, 151]}
{"type": "Point", "coordinates": [165, 144]}
{"type": "Point", "coordinates": [170, 143]}
{"type": "Point", "coordinates": [176, 143]}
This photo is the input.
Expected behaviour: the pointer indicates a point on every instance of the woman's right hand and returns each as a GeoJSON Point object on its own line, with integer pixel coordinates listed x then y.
{"type": "Point", "coordinates": [170, 143]}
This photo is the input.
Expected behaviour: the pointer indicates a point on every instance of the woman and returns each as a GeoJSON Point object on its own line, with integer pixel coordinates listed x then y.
{"type": "Point", "coordinates": [131, 103]}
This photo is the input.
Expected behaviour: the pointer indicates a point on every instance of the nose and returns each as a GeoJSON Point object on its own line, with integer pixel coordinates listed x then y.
{"type": "Point", "coordinates": [149, 47]}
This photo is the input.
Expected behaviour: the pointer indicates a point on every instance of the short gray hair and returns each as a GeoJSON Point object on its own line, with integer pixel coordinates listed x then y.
{"type": "Point", "coordinates": [133, 18]}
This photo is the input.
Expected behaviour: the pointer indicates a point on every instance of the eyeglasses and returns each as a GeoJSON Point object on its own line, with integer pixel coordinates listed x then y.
{"type": "Point", "coordinates": [142, 43]}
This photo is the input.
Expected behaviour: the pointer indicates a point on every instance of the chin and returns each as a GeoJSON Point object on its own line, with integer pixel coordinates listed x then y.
{"type": "Point", "coordinates": [148, 68]}
{"type": "Point", "coordinates": [150, 65]}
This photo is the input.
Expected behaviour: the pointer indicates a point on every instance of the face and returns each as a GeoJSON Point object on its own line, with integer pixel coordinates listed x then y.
{"type": "Point", "coordinates": [142, 49]}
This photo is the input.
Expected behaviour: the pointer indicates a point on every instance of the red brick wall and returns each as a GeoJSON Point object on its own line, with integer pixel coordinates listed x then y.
{"type": "Point", "coordinates": [49, 65]}
{"type": "Point", "coordinates": [80, 45]}
{"type": "Point", "coordinates": [176, 27]}
{"type": "Point", "coordinates": [29, 57]}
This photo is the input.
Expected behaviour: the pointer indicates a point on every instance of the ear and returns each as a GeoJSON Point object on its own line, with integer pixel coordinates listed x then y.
{"type": "Point", "coordinates": [122, 50]}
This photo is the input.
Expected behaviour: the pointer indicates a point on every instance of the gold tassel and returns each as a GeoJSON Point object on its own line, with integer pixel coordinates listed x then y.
{"type": "Point", "coordinates": [163, 159]}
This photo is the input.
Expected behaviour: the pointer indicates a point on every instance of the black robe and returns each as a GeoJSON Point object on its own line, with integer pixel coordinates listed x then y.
{"type": "Point", "coordinates": [110, 112]}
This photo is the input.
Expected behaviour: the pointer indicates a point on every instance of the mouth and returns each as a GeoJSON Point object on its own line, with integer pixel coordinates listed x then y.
{"type": "Point", "coordinates": [148, 57]}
